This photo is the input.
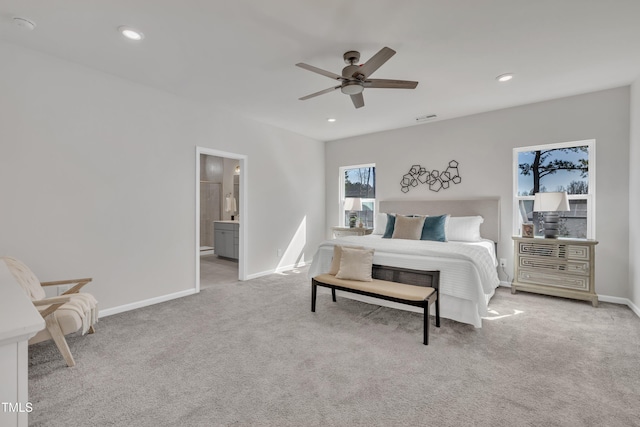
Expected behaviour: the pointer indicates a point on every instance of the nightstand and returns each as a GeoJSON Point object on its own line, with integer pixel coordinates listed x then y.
{"type": "Point", "coordinates": [559, 267]}
{"type": "Point", "coordinates": [348, 231]}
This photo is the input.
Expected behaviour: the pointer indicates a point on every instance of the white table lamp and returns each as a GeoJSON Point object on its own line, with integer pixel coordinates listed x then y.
{"type": "Point", "coordinates": [352, 204]}
{"type": "Point", "coordinates": [551, 203]}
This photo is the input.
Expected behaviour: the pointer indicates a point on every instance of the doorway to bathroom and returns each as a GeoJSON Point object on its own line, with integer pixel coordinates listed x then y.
{"type": "Point", "coordinates": [220, 206]}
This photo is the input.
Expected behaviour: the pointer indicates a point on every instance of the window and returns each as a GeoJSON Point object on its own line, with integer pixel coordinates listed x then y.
{"type": "Point", "coordinates": [358, 182]}
{"type": "Point", "coordinates": [566, 167]}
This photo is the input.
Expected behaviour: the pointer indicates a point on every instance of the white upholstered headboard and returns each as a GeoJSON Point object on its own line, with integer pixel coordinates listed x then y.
{"type": "Point", "coordinates": [488, 208]}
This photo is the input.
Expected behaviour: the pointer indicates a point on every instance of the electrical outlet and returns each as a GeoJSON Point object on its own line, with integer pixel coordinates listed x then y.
{"type": "Point", "coordinates": [279, 253]}
{"type": "Point", "coordinates": [503, 262]}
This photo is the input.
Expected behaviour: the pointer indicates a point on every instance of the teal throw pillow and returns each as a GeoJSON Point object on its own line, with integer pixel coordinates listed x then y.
{"type": "Point", "coordinates": [391, 224]}
{"type": "Point", "coordinates": [434, 228]}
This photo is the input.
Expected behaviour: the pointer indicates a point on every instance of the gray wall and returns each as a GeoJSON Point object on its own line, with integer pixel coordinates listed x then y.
{"type": "Point", "coordinates": [634, 198]}
{"type": "Point", "coordinates": [98, 179]}
{"type": "Point", "coordinates": [483, 146]}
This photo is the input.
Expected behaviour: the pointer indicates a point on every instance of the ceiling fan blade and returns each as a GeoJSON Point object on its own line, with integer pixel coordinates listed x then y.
{"type": "Point", "coordinates": [358, 100]}
{"type": "Point", "coordinates": [374, 63]}
{"type": "Point", "coordinates": [320, 71]}
{"type": "Point", "coordinates": [392, 84]}
{"type": "Point", "coordinates": [322, 92]}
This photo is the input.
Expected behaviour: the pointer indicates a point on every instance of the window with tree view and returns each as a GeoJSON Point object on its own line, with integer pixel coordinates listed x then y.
{"type": "Point", "coordinates": [565, 167]}
{"type": "Point", "coordinates": [358, 183]}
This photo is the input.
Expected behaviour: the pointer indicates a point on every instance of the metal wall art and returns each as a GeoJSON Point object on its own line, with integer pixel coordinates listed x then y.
{"type": "Point", "coordinates": [435, 179]}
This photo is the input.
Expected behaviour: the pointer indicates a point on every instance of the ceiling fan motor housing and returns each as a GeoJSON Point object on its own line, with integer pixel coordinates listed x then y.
{"type": "Point", "coordinates": [351, 86]}
{"type": "Point", "coordinates": [347, 72]}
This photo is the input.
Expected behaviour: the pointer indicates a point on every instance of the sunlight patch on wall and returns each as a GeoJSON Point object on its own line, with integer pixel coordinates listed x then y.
{"type": "Point", "coordinates": [294, 254]}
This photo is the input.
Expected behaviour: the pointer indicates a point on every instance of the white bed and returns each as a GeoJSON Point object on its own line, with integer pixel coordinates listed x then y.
{"type": "Point", "coordinates": [468, 275]}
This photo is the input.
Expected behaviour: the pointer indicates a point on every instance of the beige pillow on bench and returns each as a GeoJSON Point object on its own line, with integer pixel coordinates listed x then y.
{"type": "Point", "coordinates": [337, 255]}
{"type": "Point", "coordinates": [356, 264]}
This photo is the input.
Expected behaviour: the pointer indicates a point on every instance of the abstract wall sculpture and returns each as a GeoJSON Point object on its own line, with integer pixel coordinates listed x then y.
{"type": "Point", "coordinates": [435, 179]}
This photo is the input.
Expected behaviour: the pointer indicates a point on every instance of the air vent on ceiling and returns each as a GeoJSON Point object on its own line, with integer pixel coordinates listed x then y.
{"type": "Point", "coordinates": [426, 117]}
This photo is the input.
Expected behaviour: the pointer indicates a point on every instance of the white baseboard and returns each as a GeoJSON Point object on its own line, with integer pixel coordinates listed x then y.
{"type": "Point", "coordinates": [623, 301]}
{"type": "Point", "coordinates": [144, 303]}
{"type": "Point", "coordinates": [603, 298]}
{"type": "Point", "coordinates": [187, 292]}
{"type": "Point", "coordinates": [634, 308]}
{"type": "Point", "coordinates": [277, 270]}
{"type": "Point", "coordinates": [614, 300]}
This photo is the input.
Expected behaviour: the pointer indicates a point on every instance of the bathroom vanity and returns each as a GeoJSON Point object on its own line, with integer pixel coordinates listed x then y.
{"type": "Point", "coordinates": [226, 238]}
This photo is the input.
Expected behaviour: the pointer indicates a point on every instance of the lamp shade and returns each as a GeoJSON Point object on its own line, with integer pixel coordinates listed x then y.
{"type": "Point", "coordinates": [551, 202]}
{"type": "Point", "coordinates": [353, 204]}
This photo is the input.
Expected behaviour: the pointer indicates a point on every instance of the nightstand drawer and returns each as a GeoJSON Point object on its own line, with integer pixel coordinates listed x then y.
{"type": "Point", "coordinates": [551, 265]}
{"type": "Point", "coordinates": [578, 252]}
{"type": "Point", "coordinates": [555, 280]}
{"type": "Point", "coordinates": [339, 233]}
{"type": "Point", "coordinates": [546, 250]}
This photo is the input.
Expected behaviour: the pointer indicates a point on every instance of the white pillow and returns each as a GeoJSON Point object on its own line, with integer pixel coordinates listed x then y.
{"type": "Point", "coordinates": [381, 223]}
{"type": "Point", "coordinates": [464, 228]}
{"type": "Point", "coordinates": [356, 264]}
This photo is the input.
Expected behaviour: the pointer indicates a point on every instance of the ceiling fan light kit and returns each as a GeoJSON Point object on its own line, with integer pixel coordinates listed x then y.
{"type": "Point", "coordinates": [352, 87]}
{"type": "Point", "coordinates": [355, 78]}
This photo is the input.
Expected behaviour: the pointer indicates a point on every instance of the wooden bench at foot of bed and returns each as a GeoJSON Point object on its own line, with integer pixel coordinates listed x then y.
{"type": "Point", "coordinates": [402, 285]}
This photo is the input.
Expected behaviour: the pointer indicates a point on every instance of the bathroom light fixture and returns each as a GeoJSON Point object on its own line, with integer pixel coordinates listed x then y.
{"type": "Point", "coordinates": [238, 169]}
{"type": "Point", "coordinates": [504, 77]}
{"type": "Point", "coordinates": [331, 120]}
{"type": "Point", "coordinates": [131, 33]}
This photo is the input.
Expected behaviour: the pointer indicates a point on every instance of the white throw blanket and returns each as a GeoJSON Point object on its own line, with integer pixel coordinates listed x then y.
{"type": "Point", "coordinates": [86, 306]}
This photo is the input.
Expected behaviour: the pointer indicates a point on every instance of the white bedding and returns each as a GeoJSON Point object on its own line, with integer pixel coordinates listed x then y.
{"type": "Point", "coordinates": [468, 275]}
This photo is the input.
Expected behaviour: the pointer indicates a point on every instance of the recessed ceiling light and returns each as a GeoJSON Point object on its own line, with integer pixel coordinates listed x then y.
{"type": "Point", "coordinates": [331, 120]}
{"type": "Point", "coordinates": [504, 77]}
{"type": "Point", "coordinates": [24, 23]}
{"type": "Point", "coordinates": [131, 33]}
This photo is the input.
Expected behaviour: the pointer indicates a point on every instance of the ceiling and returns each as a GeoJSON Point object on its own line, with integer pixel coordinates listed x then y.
{"type": "Point", "coordinates": [240, 55]}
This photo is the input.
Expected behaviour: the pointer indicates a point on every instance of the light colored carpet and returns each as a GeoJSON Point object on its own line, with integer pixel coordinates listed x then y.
{"type": "Point", "coordinates": [252, 353]}
{"type": "Point", "coordinates": [217, 271]}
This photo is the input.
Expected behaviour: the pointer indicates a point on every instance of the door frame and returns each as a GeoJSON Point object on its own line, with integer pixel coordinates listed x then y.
{"type": "Point", "coordinates": [243, 203]}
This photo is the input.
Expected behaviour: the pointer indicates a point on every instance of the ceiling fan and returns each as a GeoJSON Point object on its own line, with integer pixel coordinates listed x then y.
{"type": "Point", "coordinates": [355, 78]}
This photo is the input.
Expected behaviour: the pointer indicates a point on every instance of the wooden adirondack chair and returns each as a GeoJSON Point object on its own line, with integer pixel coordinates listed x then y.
{"type": "Point", "coordinates": [64, 314]}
